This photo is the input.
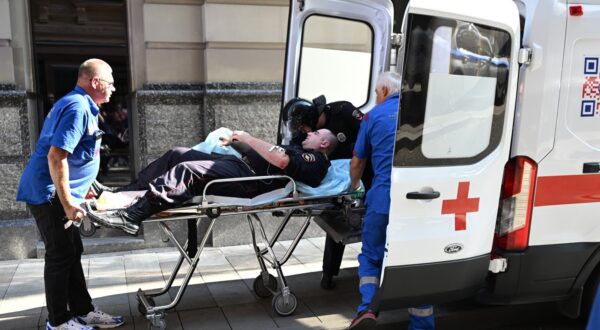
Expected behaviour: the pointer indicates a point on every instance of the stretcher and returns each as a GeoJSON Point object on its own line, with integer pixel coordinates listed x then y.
{"type": "Point", "coordinates": [286, 202]}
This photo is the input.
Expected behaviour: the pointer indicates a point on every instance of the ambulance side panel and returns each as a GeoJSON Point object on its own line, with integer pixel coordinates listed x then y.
{"type": "Point", "coordinates": [565, 226]}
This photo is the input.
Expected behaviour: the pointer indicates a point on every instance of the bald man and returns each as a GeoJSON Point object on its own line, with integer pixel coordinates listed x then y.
{"type": "Point", "coordinates": [59, 174]}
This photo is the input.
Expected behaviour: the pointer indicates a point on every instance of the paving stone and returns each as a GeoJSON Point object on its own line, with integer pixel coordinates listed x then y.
{"type": "Point", "coordinates": [209, 319]}
{"type": "Point", "coordinates": [19, 320]}
{"type": "Point", "coordinates": [6, 272]}
{"type": "Point", "coordinates": [230, 293]}
{"type": "Point", "coordinates": [196, 296]}
{"type": "Point", "coordinates": [248, 316]}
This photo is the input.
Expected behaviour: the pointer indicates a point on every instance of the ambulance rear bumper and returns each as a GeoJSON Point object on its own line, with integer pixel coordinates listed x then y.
{"type": "Point", "coordinates": [434, 283]}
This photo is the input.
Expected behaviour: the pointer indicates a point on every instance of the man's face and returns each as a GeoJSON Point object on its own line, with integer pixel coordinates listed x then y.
{"type": "Point", "coordinates": [104, 86]}
{"type": "Point", "coordinates": [313, 140]}
{"type": "Point", "coordinates": [381, 94]}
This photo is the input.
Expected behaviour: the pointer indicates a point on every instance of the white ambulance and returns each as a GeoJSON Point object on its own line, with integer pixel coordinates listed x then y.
{"type": "Point", "coordinates": [496, 170]}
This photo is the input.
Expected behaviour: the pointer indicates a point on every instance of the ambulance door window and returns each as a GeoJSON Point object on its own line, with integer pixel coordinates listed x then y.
{"type": "Point", "coordinates": [453, 92]}
{"type": "Point", "coordinates": [335, 59]}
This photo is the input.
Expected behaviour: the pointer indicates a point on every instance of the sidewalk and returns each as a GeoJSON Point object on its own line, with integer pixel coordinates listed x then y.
{"type": "Point", "coordinates": [219, 295]}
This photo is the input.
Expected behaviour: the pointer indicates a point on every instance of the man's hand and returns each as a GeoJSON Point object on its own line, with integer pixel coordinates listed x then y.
{"type": "Point", "coordinates": [358, 193]}
{"type": "Point", "coordinates": [74, 213]}
{"type": "Point", "coordinates": [240, 136]}
{"type": "Point", "coordinates": [225, 140]}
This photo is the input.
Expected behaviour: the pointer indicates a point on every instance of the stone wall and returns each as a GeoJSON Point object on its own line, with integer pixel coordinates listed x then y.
{"type": "Point", "coordinates": [18, 234]}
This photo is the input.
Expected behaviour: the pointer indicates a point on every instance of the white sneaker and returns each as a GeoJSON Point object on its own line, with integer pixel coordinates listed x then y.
{"type": "Point", "coordinates": [99, 319]}
{"type": "Point", "coordinates": [71, 324]}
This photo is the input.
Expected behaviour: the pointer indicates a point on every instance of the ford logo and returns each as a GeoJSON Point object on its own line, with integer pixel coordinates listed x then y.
{"type": "Point", "coordinates": [453, 248]}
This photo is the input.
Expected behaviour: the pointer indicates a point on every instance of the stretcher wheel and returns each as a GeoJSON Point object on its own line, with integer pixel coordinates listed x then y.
{"type": "Point", "coordinates": [213, 212]}
{"type": "Point", "coordinates": [261, 290]}
{"type": "Point", "coordinates": [87, 228]}
{"type": "Point", "coordinates": [157, 323]}
{"type": "Point", "coordinates": [141, 307]}
{"type": "Point", "coordinates": [283, 309]}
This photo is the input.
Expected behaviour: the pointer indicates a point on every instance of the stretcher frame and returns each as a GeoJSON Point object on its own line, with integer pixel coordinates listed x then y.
{"type": "Point", "coordinates": [265, 285]}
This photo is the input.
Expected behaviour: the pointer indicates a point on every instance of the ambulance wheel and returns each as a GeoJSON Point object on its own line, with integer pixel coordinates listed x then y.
{"type": "Point", "coordinates": [213, 212]}
{"type": "Point", "coordinates": [87, 228]}
{"type": "Point", "coordinates": [141, 307]}
{"type": "Point", "coordinates": [283, 309]}
{"type": "Point", "coordinates": [261, 290]}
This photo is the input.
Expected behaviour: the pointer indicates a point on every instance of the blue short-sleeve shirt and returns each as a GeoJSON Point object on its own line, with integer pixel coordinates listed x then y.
{"type": "Point", "coordinates": [71, 125]}
{"type": "Point", "coordinates": [376, 141]}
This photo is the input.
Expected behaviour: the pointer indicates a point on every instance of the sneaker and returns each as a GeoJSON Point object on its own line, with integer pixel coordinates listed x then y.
{"type": "Point", "coordinates": [364, 320]}
{"type": "Point", "coordinates": [71, 324]}
{"type": "Point", "coordinates": [99, 319]}
{"type": "Point", "coordinates": [115, 219]}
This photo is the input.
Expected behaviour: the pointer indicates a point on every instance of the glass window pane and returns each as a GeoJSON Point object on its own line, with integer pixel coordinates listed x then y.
{"type": "Point", "coordinates": [335, 60]}
{"type": "Point", "coordinates": [453, 96]}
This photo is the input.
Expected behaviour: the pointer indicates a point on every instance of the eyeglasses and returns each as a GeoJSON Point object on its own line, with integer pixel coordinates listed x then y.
{"type": "Point", "coordinates": [110, 83]}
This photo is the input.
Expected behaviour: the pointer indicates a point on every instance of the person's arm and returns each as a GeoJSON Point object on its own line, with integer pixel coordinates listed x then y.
{"type": "Point", "coordinates": [238, 146]}
{"type": "Point", "coordinates": [270, 152]}
{"type": "Point", "coordinates": [59, 172]}
{"type": "Point", "coordinates": [357, 167]}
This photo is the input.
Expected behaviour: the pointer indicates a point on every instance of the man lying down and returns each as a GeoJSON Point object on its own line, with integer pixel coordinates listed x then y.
{"type": "Point", "coordinates": [182, 173]}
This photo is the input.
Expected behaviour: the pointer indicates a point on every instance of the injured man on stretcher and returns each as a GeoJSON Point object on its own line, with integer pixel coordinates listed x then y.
{"type": "Point", "coordinates": [182, 173]}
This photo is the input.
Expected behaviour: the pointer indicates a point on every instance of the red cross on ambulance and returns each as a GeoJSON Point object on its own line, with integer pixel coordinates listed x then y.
{"type": "Point", "coordinates": [460, 206]}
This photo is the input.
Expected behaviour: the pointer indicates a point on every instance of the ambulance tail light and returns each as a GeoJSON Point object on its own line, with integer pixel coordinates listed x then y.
{"type": "Point", "coordinates": [514, 213]}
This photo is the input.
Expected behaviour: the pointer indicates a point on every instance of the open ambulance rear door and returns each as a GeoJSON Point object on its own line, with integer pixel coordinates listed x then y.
{"type": "Point", "coordinates": [452, 142]}
{"type": "Point", "coordinates": [335, 48]}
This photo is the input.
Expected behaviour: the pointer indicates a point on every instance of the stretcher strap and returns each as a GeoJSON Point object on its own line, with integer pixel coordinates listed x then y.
{"type": "Point", "coordinates": [192, 246]}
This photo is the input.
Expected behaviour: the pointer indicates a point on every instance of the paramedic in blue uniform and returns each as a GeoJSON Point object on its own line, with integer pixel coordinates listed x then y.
{"type": "Point", "coordinates": [307, 163]}
{"type": "Point", "coordinates": [343, 120]}
{"type": "Point", "coordinates": [64, 164]}
{"type": "Point", "coordinates": [375, 143]}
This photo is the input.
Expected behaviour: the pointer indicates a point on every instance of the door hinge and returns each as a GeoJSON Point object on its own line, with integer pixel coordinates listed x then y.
{"type": "Point", "coordinates": [525, 55]}
{"type": "Point", "coordinates": [396, 40]}
{"type": "Point", "coordinates": [498, 265]}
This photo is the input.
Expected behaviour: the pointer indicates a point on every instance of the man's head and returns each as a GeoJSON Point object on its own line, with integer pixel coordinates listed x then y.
{"type": "Point", "coordinates": [321, 140]}
{"type": "Point", "coordinates": [95, 77]}
{"type": "Point", "coordinates": [387, 84]}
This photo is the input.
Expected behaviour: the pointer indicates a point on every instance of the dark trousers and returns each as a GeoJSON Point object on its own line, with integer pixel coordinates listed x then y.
{"type": "Point", "coordinates": [64, 281]}
{"type": "Point", "coordinates": [163, 164]}
{"type": "Point", "coordinates": [187, 179]}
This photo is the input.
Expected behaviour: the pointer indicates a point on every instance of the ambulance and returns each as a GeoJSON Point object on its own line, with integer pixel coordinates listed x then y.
{"type": "Point", "coordinates": [496, 166]}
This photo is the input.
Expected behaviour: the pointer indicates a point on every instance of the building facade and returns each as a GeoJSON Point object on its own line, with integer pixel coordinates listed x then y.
{"type": "Point", "coordinates": [182, 68]}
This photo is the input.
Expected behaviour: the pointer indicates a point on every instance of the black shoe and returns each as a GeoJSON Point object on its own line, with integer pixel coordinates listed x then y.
{"type": "Point", "coordinates": [115, 219]}
{"type": "Point", "coordinates": [366, 319]}
{"type": "Point", "coordinates": [99, 188]}
{"type": "Point", "coordinates": [327, 281]}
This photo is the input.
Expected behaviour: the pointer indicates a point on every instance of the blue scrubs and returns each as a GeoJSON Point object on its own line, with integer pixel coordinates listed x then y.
{"type": "Point", "coordinates": [71, 125]}
{"type": "Point", "coordinates": [376, 142]}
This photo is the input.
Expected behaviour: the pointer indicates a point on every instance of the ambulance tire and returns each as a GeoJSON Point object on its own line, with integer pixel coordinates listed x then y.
{"type": "Point", "coordinates": [590, 288]}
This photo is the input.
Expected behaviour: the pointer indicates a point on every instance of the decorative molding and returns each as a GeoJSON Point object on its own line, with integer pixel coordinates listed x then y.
{"type": "Point", "coordinates": [175, 45]}
{"type": "Point", "coordinates": [244, 45]}
{"type": "Point", "coordinates": [282, 3]}
{"type": "Point", "coordinates": [177, 2]}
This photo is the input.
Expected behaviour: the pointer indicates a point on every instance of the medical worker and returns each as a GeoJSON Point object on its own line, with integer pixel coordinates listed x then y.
{"type": "Point", "coordinates": [56, 180]}
{"type": "Point", "coordinates": [375, 143]}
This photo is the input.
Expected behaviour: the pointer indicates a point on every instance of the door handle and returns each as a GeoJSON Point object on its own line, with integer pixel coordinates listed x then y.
{"type": "Point", "coordinates": [422, 195]}
{"type": "Point", "coordinates": [591, 167]}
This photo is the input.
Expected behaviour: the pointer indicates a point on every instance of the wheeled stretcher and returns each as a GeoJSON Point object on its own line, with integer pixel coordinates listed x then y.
{"type": "Point", "coordinates": [286, 202]}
